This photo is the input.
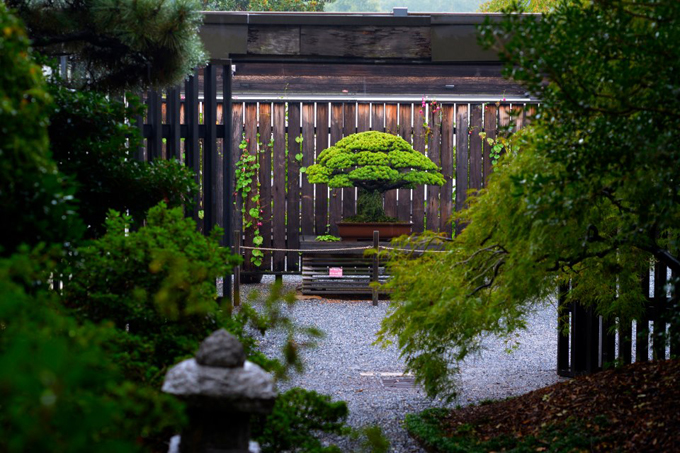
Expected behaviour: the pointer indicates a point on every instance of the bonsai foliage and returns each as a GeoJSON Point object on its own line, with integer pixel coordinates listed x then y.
{"type": "Point", "coordinates": [375, 162]}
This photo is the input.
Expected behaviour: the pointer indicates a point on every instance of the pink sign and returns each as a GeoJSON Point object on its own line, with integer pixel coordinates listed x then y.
{"type": "Point", "coordinates": [335, 272]}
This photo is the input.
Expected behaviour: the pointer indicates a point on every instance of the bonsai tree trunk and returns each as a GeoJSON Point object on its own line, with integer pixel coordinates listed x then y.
{"type": "Point", "coordinates": [370, 206]}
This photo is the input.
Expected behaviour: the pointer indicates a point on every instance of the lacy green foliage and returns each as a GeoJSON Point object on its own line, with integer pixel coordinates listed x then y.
{"type": "Point", "coordinates": [591, 196]}
{"type": "Point", "coordinates": [429, 427]}
{"type": "Point", "coordinates": [119, 44]}
{"type": "Point", "coordinates": [297, 418]}
{"type": "Point", "coordinates": [503, 263]}
{"type": "Point", "coordinates": [58, 391]}
{"type": "Point", "coordinates": [373, 161]}
{"type": "Point", "coordinates": [35, 199]}
{"type": "Point", "coordinates": [94, 143]}
{"type": "Point", "coordinates": [157, 286]}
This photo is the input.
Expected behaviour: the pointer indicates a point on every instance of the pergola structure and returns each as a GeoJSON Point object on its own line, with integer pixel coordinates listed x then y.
{"type": "Point", "coordinates": [357, 55]}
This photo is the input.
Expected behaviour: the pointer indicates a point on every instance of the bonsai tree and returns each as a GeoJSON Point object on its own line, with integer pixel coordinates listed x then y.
{"type": "Point", "coordinates": [375, 162]}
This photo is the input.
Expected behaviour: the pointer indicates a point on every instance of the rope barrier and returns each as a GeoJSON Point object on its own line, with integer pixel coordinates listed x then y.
{"type": "Point", "coordinates": [306, 250]}
{"type": "Point", "coordinates": [269, 249]}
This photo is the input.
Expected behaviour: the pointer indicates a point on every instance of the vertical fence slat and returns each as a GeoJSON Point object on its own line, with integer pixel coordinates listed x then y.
{"type": "Point", "coordinates": [378, 117]}
{"type": "Point", "coordinates": [293, 199]}
{"type": "Point", "coordinates": [335, 201]}
{"type": "Point", "coordinates": [490, 125]}
{"type": "Point", "coordinates": [608, 343]}
{"type": "Point", "coordinates": [279, 190]}
{"type": "Point", "coordinates": [446, 195]}
{"type": "Point", "coordinates": [209, 146]}
{"type": "Point", "coordinates": [419, 140]}
{"type": "Point", "coordinates": [625, 330]}
{"type": "Point", "coordinates": [265, 155]}
{"type": "Point", "coordinates": [349, 128]}
{"type": "Point", "coordinates": [192, 150]}
{"type": "Point", "coordinates": [674, 328]}
{"type": "Point", "coordinates": [475, 146]}
{"type": "Point", "coordinates": [391, 127]}
{"type": "Point", "coordinates": [321, 190]}
{"type": "Point", "coordinates": [504, 119]}
{"type": "Point", "coordinates": [405, 131]}
{"type": "Point", "coordinates": [434, 153]}
{"type": "Point", "coordinates": [174, 141]}
{"type": "Point", "coordinates": [518, 116]}
{"type": "Point", "coordinates": [659, 337]}
{"type": "Point", "coordinates": [307, 226]}
{"type": "Point", "coordinates": [156, 121]}
{"type": "Point", "coordinates": [363, 116]}
{"type": "Point", "coordinates": [236, 136]}
{"type": "Point", "coordinates": [462, 137]}
{"type": "Point", "coordinates": [642, 326]}
{"type": "Point", "coordinates": [251, 139]}
{"type": "Point", "coordinates": [563, 368]}
{"type": "Point", "coordinates": [227, 164]}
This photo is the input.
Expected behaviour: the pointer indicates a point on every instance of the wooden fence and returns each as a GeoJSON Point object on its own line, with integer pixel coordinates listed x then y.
{"type": "Point", "coordinates": [588, 343]}
{"type": "Point", "coordinates": [188, 123]}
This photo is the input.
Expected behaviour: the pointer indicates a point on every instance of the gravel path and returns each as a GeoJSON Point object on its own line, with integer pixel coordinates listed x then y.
{"type": "Point", "coordinates": [347, 366]}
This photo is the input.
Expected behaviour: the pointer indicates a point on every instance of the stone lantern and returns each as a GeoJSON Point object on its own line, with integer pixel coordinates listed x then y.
{"type": "Point", "coordinates": [221, 390]}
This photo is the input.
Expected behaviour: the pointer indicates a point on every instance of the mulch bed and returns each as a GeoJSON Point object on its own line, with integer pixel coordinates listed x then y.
{"type": "Point", "coordinates": [641, 403]}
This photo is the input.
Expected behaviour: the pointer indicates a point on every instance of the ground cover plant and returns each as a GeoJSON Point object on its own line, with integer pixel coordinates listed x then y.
{"type": "Point", "coordinates": [590, 197]}
{"type": "Point", "coordinates": [631, 408]}
{"type": "Point", "coordinates": [374, 162]}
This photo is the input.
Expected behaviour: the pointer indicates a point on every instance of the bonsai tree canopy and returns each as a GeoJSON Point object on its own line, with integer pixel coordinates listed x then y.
{"type": "Point", "coordinates": [375, 162]}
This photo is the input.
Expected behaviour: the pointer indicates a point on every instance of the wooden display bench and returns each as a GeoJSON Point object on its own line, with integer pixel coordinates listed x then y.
{"type": "Point", "coordinates": [342, 271]}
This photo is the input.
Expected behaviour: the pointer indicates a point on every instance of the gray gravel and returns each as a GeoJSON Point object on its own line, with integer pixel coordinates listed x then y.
{"type": "Point", "coordinates": [349, 367]}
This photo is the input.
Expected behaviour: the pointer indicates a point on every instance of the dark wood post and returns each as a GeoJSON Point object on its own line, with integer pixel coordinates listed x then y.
{"type": "Point", "coordinates": [237, 269]}
{"type": "Point", "coordinates": [563, 367]}
{"type": "Point", "coordinates": [376, 263]}
{"type": "Point", "coordinates": [228, 168]}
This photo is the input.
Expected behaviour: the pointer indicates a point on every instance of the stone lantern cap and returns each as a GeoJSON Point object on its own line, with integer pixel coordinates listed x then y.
{"type": "Point", "coordinates": [220, 378]}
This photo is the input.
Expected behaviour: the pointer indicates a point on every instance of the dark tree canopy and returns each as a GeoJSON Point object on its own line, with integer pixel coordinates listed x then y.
{"type": "Point", "coordinates": [119, 44]}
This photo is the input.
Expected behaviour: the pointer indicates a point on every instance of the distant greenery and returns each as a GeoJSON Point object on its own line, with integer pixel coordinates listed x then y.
{"type": "Point", "coordinates": [432, 6]}
{"type": "Point", "coordinates": [529, 6]}
{"type": "Point", "coordinates": [266, 5]}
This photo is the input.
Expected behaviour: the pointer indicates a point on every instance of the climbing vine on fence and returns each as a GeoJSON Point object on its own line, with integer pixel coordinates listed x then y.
{"type": "Point", "coordinates": [246, 172]}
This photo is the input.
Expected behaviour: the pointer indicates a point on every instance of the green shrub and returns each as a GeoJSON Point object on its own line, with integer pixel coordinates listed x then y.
{"type": "Point", "coordinates": [35, 199]}
{"type": "Point", "coordinates": [157, 286]}
{"type": "Point", "coordinates": [94, 143]}
{"type": "Point", "coordinates": [298, 415]}
{"type": "Point", "coordinates": [375, 162]}
{"type": "Point", "coordinates": [58, 391]}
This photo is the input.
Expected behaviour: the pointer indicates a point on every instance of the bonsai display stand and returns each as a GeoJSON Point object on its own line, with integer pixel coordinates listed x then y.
{"type": "Point", "coordinates": [342, 271]}
{"type": "Point", "coordinates": [356, 231]}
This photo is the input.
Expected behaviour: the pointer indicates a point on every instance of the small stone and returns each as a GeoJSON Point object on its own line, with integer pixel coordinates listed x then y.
{"type": "Point", "coordinates": [221, 350]}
